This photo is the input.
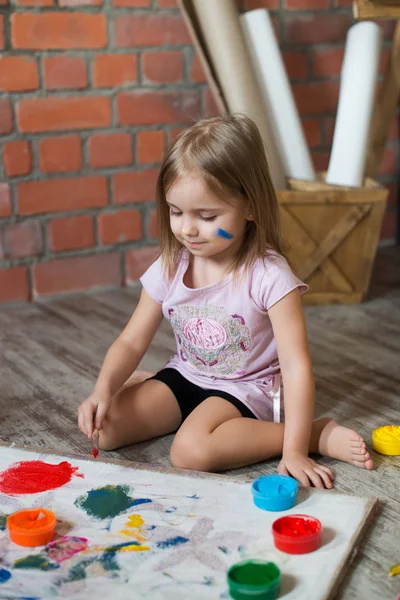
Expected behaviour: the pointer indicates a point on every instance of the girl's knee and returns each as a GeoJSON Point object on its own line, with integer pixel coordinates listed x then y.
{"type": "Point", "coordinates": [186, 453]}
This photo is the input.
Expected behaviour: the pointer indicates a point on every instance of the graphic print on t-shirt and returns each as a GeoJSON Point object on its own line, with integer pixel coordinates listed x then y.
{"type": "Point", "coordinates": [211, 340]}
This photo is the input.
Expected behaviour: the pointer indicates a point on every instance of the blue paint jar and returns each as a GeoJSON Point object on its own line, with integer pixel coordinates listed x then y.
{"type": "Point", "coordinates": [274, 492]}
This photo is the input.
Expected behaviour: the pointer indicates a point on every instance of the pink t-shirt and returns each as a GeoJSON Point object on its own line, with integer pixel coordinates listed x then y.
{"type": "Point", "coordinates": [223, 332]}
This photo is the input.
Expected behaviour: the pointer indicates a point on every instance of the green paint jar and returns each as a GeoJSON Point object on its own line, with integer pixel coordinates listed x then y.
{"type": "Point", "coordinates": [254, 579]}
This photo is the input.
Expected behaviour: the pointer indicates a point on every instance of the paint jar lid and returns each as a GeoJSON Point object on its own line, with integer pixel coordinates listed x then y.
{"type": "Point", "coordinates": [386, 440]}
{"type": "Point", "coordinates": [274, 492]}
{"type": "Point", "coordinates": [255, 579]}
{"type": "Point", "coordinates": [297, 534]}
{"type": "Point", "coordinates": [31, 526]}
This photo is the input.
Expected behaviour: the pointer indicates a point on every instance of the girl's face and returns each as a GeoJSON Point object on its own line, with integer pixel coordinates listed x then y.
{"type": "Point", "coordinates": [196, 214]}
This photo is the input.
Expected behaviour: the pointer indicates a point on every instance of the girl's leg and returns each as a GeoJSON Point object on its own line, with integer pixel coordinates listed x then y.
{"type": "Point", "coordinates": [215, 437]}
{"type": "Point", "coordinates": [141, 410]}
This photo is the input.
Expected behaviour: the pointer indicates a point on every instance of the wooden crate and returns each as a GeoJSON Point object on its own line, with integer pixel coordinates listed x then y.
{"type": "Point", "coordinates": [333, 233]}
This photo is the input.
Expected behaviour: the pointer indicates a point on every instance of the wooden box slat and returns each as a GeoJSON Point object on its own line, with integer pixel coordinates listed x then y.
{"type": "Point", "coordinates": [333, 233]}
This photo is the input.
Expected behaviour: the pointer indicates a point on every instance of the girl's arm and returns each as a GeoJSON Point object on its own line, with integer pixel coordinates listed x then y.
{"type": "Point", "coordinates": [290, 334]}
{"type": "Point", "coordinates": [127, 351]}
{"type": "Point", "coordinates": [121, 360]}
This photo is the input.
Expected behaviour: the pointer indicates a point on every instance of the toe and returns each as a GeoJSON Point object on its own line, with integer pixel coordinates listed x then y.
{"type": "Point", "coordinates": [369, 464]}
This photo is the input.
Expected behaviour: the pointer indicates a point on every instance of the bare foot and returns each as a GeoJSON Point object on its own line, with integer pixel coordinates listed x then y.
{"type": "Point", "coordinates": [344, 444]}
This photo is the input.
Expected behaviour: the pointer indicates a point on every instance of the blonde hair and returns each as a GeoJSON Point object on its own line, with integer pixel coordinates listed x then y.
{"type": "Point", "coordinates": [228, 154]}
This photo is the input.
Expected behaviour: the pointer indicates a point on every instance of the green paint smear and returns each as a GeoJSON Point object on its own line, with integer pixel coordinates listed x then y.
{"type": "Point", "coordinates": [3, 521]}
{"type": "Point", "coordinates": [35, 561]}
{"type": "Point", "coordinates": [78, 572]}
{"type": "Point", "coordinates": [106, 502]}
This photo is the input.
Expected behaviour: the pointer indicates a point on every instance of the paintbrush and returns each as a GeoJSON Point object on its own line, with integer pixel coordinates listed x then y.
{"type": "Point", "coordinates": [95, 443]}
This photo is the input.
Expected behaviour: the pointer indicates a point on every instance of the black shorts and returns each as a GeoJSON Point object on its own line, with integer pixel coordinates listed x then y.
{"type": "Point", "coordinates": [189, 395]}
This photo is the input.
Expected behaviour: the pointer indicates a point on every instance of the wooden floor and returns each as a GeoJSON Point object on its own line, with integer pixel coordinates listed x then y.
{"type": "Point", "coordinates": [50, 354]}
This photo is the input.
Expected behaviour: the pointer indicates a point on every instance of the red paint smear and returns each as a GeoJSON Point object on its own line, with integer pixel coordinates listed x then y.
{"type": "Point", "coordinates": [33, 476]}
{"type": "Point", "coordinates": [95, 452]}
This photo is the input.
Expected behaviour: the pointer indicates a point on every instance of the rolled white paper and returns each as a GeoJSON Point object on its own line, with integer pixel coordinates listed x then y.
{"type": "Point", "coordinates": [356, 102]}
{"type": "Point", "coordinates": [278, 98]}
{"type": "Point", "coordinates": [221, 30]}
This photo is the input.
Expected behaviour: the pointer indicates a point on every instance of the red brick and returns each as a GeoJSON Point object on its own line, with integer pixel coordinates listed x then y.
{"type": "Point", "coordinates": [73, 3]}
{"type": "Point", "coordinates": [394, 129]}
{"type": "Point", "coordinates": [151, 108]}
{"type": "Point", "coordinates": [211, 108]}
{"type": "Point", "coordinates": [135, 186]}
{"type": "Point", "coordinates": [56, 113]}
{"type": "Point", "coordinates": [317, 29]}
{"type": "Point", "coordinates": [18, 74]}
{"type": "Point", "coordinates": [35, 2]}
{"type": "Point", "coordinates": [154, 228]}
{"type": "Point", "coordinates": [389, 226]}
{"type": "Point", "coordinates": [154, 29]}
{"type": "Point", "coordinates": [1, 32]}
{"type": "Point", "coordinates": [110, 70]}
{"type": "Point", "coordinates": [150, 146]}
{"type": "Point", "coordinates": [196, 71]}
{"type": "Point", "coordinates": [60, 154]}
{"type": "Point", "coordinates": [175, 132]}
{"type": "Point", "coordinates": [71, 233]}
{"type": "Point", "coordinates": [296, 64]}
{"type": "Point", "coordinates": [17, 158]}
{"type": "Point", "coordinates": [312, 131]}
{"type": "Point", "coordinates": [387, 26]}
{"type": "Point", "coordinates": [316, 97]}
{"type": "Point", "coordinates": [138, 261]}
{"type": "Point", "coordinates": [110, 150]}
{"type": "Point", "coordinates": [119, 227]}
{"type": "Point", "coordinates": [64, 72]}
{"type": "Point", "coordinates": [327, 62]}
{"type": "Point", "coordinates": [167, 4]}
{"type": "Point", "coordinates": [5, 200]}
{"type": "Point", "coordinates": [55, 195]}
{"type": "Point", "coordinates": [344, 2]}
{"type": "Point", "coordinates": [58, 30]}
{"type": "Point", "coordinates": [389, 161]}
{"type": "Point", "coordinates": [6, 118]}
{"type": "Point", "coordinates": [73, 274]}
{"type": "Point", "coordinates": [307, 4]}
{"type": "Point", "coordinates": [137, 3]}
{"type": "Point", "coordinates": [393, 194]}
{"type": "Point", "coordinates": [14, 284]}
{"type": "Point", "coordinates": [21, 239]}
{"type": "Point", "coordinates": [329, 128]}
{"type": "Point", "coordinates": [162, 67]}
{"type": "Point", "coordinates": [254, 4]}
{"type": "Point", "coordinates": [321, 160]}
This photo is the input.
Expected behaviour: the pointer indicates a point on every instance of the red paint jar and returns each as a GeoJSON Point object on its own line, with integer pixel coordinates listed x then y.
{"type": "Point", "coordinates": [297, 534]}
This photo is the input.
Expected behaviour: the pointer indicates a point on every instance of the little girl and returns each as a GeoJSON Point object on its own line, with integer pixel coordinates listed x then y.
{"type": "Point", "coordinates": [223, 283]}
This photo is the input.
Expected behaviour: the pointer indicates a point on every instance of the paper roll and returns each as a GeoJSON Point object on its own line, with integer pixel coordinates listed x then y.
{"type": "Point", "coordinates": [277, 95]}
{"type": "Point", "coordinates": [356, 102]}
{"type": "Point", "coordinates": [220, 28]}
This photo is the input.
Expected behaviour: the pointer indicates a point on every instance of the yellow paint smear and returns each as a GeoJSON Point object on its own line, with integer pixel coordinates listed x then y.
{"type": "Point", "coordinates": [394, 570]}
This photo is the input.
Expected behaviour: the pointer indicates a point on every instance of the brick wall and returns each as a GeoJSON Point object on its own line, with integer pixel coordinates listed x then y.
{"type": "Point", "coordinates": [92, 91]}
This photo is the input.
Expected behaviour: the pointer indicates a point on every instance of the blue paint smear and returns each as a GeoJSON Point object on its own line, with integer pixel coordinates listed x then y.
{"type": "Point", "coordinates": [141, 501]}
{"type": "Point", "coordinates": [224, 234]}
{"type": "Point", "coordinates": [170, 542]}
{"type": "Point", "coordinates": [4, 575]}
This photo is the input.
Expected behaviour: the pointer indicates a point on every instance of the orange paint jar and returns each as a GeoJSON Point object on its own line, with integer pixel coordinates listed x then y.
{"type": "Point", "coordinates": [31, 526]}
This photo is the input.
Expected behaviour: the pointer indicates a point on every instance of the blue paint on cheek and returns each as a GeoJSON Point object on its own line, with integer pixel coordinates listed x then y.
{"type": "Point", "coordinates": [224, 234]}
{"type": "Point", "coordinates": [4, 575]}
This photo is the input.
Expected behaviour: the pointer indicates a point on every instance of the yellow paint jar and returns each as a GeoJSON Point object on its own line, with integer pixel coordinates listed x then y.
{"type": "Point", "coordinates": [386, 440]}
